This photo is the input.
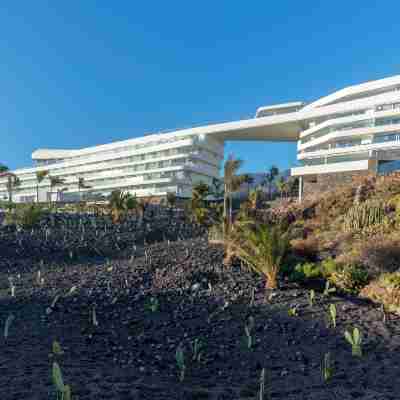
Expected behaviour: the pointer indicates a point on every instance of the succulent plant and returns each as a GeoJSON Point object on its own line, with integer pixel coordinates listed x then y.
{"type": "Point", "coordinates": [7, 325]}
{"type": "Point", "coordinates": [180, 361]}
{"type": "Point", "coordinates": [248, 328]}
{"type": "Point", "coordinates": [63, 391]}
{"type": "Point", "coordinates": [355, 340]}
{"type": "Point", "coordinates": [332, 313]}
{"type": "Point", "coordinates": [327, 367]}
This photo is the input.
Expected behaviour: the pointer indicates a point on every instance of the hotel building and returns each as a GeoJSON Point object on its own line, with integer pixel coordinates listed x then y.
{"type": "Point", "coordinates": [354, 131]}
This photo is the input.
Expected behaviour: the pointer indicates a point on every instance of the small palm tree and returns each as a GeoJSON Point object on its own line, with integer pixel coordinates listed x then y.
{"type": "Point", "coordinates": [82, 185]}
{"type": "Point", "coordinates": [248, 180]}
{"type": "Point", "coordinates": [232, 183]}
{"type": "Point", "coordinates": [40, 175]}
{"type": "Point", "coordinates": [217, 189]}
{"type": "Point", "coordinates": [117, 204]}
{"type": "Point", "coordinates": [262, 248]}
{"type": "Point", "coordinates": [254, 199]}
{"type": "Point", "coordinates": [171, 199]}
{"type": "Point", "coordinates": [198, 205]}
{"type": "Point", "coordinates": [3, 169]}
{"type": "Point", "coordinates": [281, 185]}
{"type": "Point", "coordinates": [12, 184]}
{"type": "Point", "coordinates": [269, 179]}
{"type": "Point", "coordinates": [55, 181]}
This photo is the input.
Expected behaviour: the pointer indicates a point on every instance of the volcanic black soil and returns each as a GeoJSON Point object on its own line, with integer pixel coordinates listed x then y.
{"type": "Point", "coordinates": [130, 353]}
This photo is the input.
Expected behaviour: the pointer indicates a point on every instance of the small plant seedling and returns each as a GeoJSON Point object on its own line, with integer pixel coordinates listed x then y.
{"type": "Point", "coordinates": [153, 304]}
{"type": "Point", "coordinates": [327, 367]}
{"type": "Point", "coordinates": [252, 298]}
{"type": "Point", "coordinates": [263, 392]}
{"type": "Point", "coordinates": [57, 349]}
{"type": "Point", "coordinates": [355, 341]}
{"type": "Point", "coordinates": [71, 291]}
{"type": "Point", "coordinates": [332, 313]}
{"type": "Point", "coordinates": [292, 312]}
{"type": "Point", "coordinates": [95, 322]}
{"type": "Point", "coordinates": [7, 325]}
{"type": "Point", "coordinates": [312, 297]}
{"type": "Point", "coordinates": [180, 361]}
{"type": "Point", "coordinates": [328, 289]}
{"type": "Point", "coordinates": [197, 347]}
{"type": "Point", "coordinates": [63, 391]}
{"type": "Point", "coordinates": [12, 286]}
{"type": "Point", "coordinates": [384, 315]}
{"type": "Point", "coordinates": [248, 328]}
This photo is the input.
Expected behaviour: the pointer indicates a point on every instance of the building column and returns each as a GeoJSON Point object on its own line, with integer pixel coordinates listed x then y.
{"type": "Point", "coordinates": [300, 189]}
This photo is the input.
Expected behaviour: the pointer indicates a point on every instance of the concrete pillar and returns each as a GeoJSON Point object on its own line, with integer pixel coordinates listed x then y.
{"type": "Point", "coordinates": [300, 189]}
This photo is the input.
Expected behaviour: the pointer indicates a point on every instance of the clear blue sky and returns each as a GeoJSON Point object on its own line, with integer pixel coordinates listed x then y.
{"type": "Point", "coordinates": [80, 73]}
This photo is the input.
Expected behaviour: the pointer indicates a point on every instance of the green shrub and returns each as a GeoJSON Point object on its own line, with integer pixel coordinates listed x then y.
{"type": "Point", "coordinates": [350, 278]}
{"type": "Point", "coordinates": [328, 267]}
{"type": "Point", "coordinates": [385, 290]}
{"type": "Point", "coordinates": [303, 272]}
{"type": "Point", "coordinates": [28, 216]}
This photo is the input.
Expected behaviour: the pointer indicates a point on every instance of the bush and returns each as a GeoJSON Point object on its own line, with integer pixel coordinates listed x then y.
{"type": "Point", "coordinates": [303, 272]}
{"type": "Point", "coordinates": [26, 216]}
{"type": "Point", "coordinates": [350, 278]}
{"type": "Point", "coordinates": [385, 290]}
{"type": "Point", "coordinates": [380, 254]}
{"type": "Point", "coordinates": [328, 267]}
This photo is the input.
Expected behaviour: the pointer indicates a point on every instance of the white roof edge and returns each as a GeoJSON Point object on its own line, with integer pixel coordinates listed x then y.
{"type": "Point", "coordinates": [282, 105]}
{"type": "Point", "coordinates": [44, 154]}
{"type": "Point", "coordinates": [354, 89]}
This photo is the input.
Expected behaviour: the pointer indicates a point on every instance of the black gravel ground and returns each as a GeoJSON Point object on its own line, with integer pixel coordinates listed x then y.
{"type": "Point", "coordinates": [130, 354]}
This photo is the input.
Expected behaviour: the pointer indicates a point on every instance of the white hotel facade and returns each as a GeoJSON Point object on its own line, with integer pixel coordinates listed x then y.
{"type": "Point", "coordinates": [353, 131]}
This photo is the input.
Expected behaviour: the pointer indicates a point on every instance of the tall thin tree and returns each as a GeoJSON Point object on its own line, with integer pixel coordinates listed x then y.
{"type": "Point", "coordinates": [40, 175]}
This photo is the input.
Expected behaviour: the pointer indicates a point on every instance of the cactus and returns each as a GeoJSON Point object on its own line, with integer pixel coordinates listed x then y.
{"type": "Point", "coordinates": [312, 297]}
{"type": "Point", "coordinates": [7, 325]}
{"type": "Point", "coordinates": [264, 392]}
{"type": "Point", "coordinates": [197, 347]}
{"type": "Point", "coordinates": [63, 390]}
{"type": "Point", "coordinates": [327, 368]}
{"type": "Point", "coordinates": [332, 312]}
{"type": "Point", "coordinates": [361, 216]}
{"type": "Point", "coordinates": [57, 349]}
{"type": "Point", "coordinates": [248, 330]}
{"type": "Point", "coordinates": [180, 361]}
{"type": "Point", "coordinates": [355, 340]}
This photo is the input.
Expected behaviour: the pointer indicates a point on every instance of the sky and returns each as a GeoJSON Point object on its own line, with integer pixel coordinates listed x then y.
{"type": "Point", "coordinates": [80, 73]}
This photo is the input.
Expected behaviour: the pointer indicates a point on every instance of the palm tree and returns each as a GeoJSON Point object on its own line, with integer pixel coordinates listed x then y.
{"type": "Point", "coordinates": [3, 169]}
{"type": "Point", "coordinates": [198, 206]}
{"type": "Point", "coordinates": [40, 175]}
{"type": "Point", "coordinates": [12, 183]}
{"type": "Point", "coordinates": [82, 185]}
{"type": "Point", "coordinates": [254, 199]}
{"type": "Point", "coordinates": [248, 180]}
{"type": "Point", "coordinates": [55, 181]}
{"type": "Point", "coordinates": [281, 185]}
{"type": "Point", "coordinates": [171, 199]}
{"type": "Point", "coordinates": [217, 189]}
{"type": "Point", "coordinates": [269, 179]}
{"type": "Point", "coordinates": [120, 203]}
{"type": "Point", "coordinates": [232, 183]}
{"type": "Point", "coordinates": [263, 249]}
